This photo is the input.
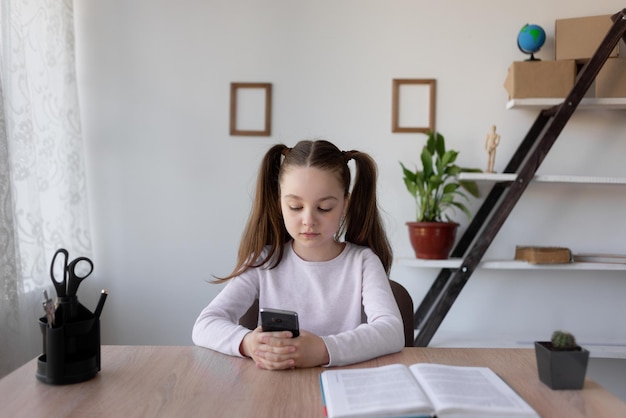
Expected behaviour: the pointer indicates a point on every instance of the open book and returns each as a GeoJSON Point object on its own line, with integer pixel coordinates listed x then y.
{"type": "Point", "coordinates": [422, 389]}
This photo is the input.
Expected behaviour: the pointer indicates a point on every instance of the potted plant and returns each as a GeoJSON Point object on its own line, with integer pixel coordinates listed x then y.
{"type": "Point", "coordinates": [561, 362]}
{"type": "Point", "coordinates": [436, 189]}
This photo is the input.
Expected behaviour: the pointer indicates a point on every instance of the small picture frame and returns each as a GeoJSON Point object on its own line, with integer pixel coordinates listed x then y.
{"type": "Point", "coordinates": [250, 109]}
{"type": "Point", "coordinates": [413, 105]}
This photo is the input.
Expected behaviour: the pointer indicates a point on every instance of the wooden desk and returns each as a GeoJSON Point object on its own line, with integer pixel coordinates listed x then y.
{"type": "Point", "coordinates": [192, 381]}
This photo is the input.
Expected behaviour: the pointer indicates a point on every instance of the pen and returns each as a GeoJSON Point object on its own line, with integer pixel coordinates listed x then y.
{"type": "Point", "coordinates": [49, 308]}
{"type": "Point", "coordinates": [103, 297]}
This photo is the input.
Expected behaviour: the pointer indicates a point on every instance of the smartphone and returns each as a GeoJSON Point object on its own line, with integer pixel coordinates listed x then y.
{"type": "Point", "coordinates": [279, 320]}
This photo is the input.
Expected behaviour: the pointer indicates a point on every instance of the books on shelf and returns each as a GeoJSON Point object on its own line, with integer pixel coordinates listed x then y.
{"type": "Point", "coordinates": [543, 255]}
{"type": "Point", "coordinates": [422, 389]}
{"type": "Point", "coordinates": [600, 258]}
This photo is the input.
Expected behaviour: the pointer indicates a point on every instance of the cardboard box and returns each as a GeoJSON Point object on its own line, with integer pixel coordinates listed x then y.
{"type": "Point", "coordinates": [611, 80]}
{"type": "Point", "coordinates": [548, 79]}
{"type": "Point", "coordinates": [578, 38]}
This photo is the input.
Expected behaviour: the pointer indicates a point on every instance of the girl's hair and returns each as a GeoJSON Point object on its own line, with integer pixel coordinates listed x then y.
{"type": "Point", "coordinates": [362, 223]}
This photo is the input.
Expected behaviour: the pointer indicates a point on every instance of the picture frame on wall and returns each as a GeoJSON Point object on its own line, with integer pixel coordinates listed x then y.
{"type": "Point", "coordinates": [250, 109]}
{"type": "Point", "coordinates": [413, 105]}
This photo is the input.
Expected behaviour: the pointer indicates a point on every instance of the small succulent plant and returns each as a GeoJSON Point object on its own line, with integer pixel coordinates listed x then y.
{"type": "Point", "coordinates": [563, 340]}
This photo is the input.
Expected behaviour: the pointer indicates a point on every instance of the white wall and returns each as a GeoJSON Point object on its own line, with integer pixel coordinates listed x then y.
{"type": "Point", "coordinates": [170, 189]}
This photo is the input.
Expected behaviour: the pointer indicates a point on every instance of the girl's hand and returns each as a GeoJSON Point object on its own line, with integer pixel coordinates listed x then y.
{"type": "Point", "coordinates": [278, 351]}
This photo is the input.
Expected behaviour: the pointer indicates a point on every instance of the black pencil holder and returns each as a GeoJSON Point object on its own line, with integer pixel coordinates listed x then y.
{"type": "Point", "coordinates": [71, 347]}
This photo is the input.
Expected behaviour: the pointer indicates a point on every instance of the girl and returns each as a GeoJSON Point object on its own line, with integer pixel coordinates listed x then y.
{"type": "Point", "coordinates": [291, 258]}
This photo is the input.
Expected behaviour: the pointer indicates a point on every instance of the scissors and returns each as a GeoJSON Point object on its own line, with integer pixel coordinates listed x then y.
{"type": "Point", "coordinates": [71, 280]}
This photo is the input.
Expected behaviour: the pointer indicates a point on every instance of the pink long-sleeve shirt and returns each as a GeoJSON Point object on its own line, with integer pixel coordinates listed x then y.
{"type": "Point", "coordinates": [347, 301]}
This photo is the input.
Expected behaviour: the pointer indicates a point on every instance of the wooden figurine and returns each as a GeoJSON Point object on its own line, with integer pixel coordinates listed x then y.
{"type": "Point", "coordinates": [491, 142]}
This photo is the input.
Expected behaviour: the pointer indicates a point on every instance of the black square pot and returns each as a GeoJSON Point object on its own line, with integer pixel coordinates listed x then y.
{"type": "Point", "coordinates": [561, 369]}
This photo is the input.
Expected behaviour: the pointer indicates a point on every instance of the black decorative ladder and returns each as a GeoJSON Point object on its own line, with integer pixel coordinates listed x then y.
{"type": "Point", "coordinates": [504, 195]}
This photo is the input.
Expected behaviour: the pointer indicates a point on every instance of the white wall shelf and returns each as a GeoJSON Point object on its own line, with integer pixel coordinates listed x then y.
{"type": "Point", "coordinates": [500, 177]}
{"type": "Point", "coordinates": [585, 103]}
{"type": "Point", "coordinates": [511, 265]}
{"type": "Point", "coordinates": [522, 265]}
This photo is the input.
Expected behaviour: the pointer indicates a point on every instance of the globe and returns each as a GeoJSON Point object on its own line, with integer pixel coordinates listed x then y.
{"type": "Point", "coordinates": [530, 40]}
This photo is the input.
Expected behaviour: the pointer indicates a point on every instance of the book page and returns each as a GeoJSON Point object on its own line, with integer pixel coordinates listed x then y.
{"type": "Point", "coordinates": [387, 390]}
{"type": "Point", "coordinates": [458, 388]}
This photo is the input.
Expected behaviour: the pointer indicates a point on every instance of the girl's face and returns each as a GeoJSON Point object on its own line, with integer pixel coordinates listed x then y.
{"type": "Point", "coordinates": [312, 202]}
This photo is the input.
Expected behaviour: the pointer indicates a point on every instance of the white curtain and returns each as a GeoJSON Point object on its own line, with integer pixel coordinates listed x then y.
{"type": "Point", "coordinates": [43, 198]}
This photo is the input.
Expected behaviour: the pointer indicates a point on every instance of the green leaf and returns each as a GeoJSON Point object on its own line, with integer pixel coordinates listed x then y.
{"type": "Point", "coordinates": [440, 144]}
{"type": "Point", "coordinates": [453, 170]}
{"type": "Point", "coordinates": [471, 187]}
{"type": "Point", "coordinates": [450, 187]}
{"type": "Point", "coordinates": [463, 208]}
{"type": "Point", "coordinates": [411, 187]}
{"type": "Point", "coordinates": [430, 143]}
{"type": "Point", "coordinates": [408, 174]}
{"type": "Point", "coordinates": [449, 157]}
{"type": "Point", "coordinates": [427, 163]}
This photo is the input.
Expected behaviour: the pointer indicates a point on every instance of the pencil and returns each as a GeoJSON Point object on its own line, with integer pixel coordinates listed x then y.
{"type": "Point", "coordinates": [103, 297]}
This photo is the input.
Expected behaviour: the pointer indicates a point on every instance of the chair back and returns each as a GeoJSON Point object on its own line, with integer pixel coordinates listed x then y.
{"type": "Point", "coordinates": [405, 304]}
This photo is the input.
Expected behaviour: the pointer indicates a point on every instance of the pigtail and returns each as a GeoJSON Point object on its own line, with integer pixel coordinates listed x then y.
{"type": "Point", "coordinates": [265, 226]}
{"type": "Point", "coordinates": [363, 223]}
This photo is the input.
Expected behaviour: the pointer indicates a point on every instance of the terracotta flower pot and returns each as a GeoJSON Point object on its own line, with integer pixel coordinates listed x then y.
{"type": "Point", "coordinates": [432, 240]}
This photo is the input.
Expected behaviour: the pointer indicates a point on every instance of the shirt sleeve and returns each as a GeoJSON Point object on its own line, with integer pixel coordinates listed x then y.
{"type": "Point", "coordinates": [217, 327]}
{"type": "Point", "coordinates": [383, 333]}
